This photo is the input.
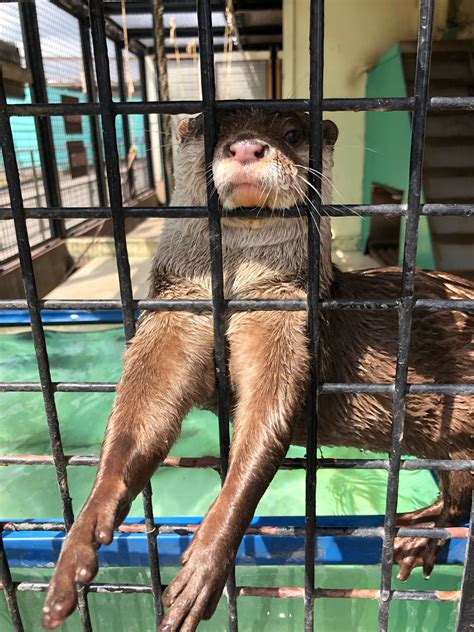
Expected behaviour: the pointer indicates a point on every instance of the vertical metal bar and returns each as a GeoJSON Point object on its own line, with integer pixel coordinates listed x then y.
{"type": "Point", "coordinates": [425, 29]}
{"type": "Point", "coordinates": [35, 177]}
{"type": "Point", "coordinates": [9, 589]}
{"type": "Point", "coordinates": [39, 94]}
{"type": "Point", "coordinates": [125, 120]}
{"type": "Point", "coordinates": [97, 22]}
{"type": "Point", "coordinates": [31, 293]}
{"type": "Point", "coordinates": [146, 121]}
{"type": "Point", "coordinates": [112, 161]}
{"type": "Point", "coordinates": [274, 62]}
{"type": "Point", "coordinates": [162, 90]}
{"type": "Point", "coordinates": [88, 66]}
{"type": "Point", "coordinates": [465, 617]}
{"type": "Point", "coordinates": [316, 46]}
{"type": "Point", "coordinates": [206, 53]}
{"type": "Point", "coordinates": [152, 548]}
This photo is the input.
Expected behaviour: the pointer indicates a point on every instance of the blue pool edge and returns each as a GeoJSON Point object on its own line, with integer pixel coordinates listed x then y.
{"type": "Point", "coordinates": [28, 549]}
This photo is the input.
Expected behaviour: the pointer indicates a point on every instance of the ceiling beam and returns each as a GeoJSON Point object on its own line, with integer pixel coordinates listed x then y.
{"type": "Point", "coordinates": [170, 6]}
{"type": "Point", "coordinates": [218, 31]}
{"type": "Point", "coordinates": [170, 50]}
{"type": "Point", "coordinates": [189, 6]}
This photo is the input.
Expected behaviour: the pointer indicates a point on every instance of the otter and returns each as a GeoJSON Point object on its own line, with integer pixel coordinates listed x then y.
{"type": "Point", "coordinates": [261, 160]}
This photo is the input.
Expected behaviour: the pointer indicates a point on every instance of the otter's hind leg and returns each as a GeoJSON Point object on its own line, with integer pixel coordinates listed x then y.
{"type": "Point", "coordinates": [452, 504]}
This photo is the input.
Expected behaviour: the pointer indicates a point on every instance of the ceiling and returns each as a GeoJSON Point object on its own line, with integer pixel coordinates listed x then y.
{"type": "Point", "coordinates": [258, 23]}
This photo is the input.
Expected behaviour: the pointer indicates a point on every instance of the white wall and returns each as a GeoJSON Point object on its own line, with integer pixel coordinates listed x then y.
{"type": "Point", "coordinates": [357, 32]}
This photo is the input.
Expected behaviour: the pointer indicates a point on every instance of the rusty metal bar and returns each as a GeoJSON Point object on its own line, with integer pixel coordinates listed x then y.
{"type": "Point", "coordinates": [212, 462]}
{"type": "Point", "coordinates": [377, 104]}
{"type": "Point", "coordinates": [272, 592]}
{"type": "Point", "coordinates": [333, 210]}
{"type": "Point", "coordinates": [425, 30]}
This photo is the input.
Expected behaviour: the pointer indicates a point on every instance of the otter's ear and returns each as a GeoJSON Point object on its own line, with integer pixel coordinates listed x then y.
{"type": "Point", "coordinates": [330, 132]}
{"type": "Point", "coordinates": [182, 129]}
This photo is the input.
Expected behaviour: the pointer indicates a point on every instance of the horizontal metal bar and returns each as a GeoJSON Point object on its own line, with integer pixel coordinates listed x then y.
{"type": "Point", "coordinates": [237, 305]}
{"type": "Point", "coordinates": [347, 593]}
{"type": "Point", "coordinates": [378, 104]}
{"type": "Point", "coordinates": [276, 531]}
{"type": "Point", "coordinates": [13, 316]}
{"type": "Point", "coordinates": [271, 540]}
{"type": "Point", "coordinates": [60, 387]}
{"type": "Point", "coordinates": [93, 588]}
{"type": "Point", "coordinates": [192, 212]}
{"type": "Point", "coordinates": [217, 31]}
{"type": "Point", "coordinates": [213, 462]}
{"type": "Point", "coordinates": [328, 388]}
{"type": "Point", "coordinates": [355, 532]}
{"type": "Point", "coordinates": [412, 389]}
{"type": "Point", "coordinates": [218, 48]}
{"type": "Point", "coordinates": [272, 592]}
{"type": "Point", "coordinates": [170, 6]}
{"type": "Point", "coordinates": [189, 6]}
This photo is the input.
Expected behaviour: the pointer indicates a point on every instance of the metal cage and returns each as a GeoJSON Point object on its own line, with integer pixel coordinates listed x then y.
{"type": "Point", "coordinates": [108, 110]}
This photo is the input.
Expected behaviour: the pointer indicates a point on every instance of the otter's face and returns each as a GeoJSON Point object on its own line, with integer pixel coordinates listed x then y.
{"type": "Point", "coordinates": [261, 158]}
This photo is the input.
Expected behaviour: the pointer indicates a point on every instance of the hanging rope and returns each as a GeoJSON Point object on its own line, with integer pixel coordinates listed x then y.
{"type": "Point", "coordinates": [191, 49]}
{"type": "Point", "coordinates": [174, 42]}
{"type": "Point", "coordinates": [229, 34]}
{"type": "Point", "coordinates": [162, 72]}
{"type": "Point", "coordinates": [132, 150]}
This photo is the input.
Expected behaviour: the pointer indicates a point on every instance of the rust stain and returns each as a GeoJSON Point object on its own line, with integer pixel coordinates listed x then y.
{"type": "Point", "coordinates": [448, 595]}
{"type": "Point", "coordinates": [290, 592]}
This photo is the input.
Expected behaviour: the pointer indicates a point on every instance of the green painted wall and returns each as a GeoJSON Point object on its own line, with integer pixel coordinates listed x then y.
{"type": "Point", "coordinates": [387, 141]}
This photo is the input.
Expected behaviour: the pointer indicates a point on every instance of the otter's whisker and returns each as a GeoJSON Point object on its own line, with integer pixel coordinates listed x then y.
{"type": "Point", "coordinates": [318, 173]}
{"type": "Point", "coordinates": [333, 207]}
{"type": "Point", "coordinates": [264, 203]}
{"type": "Point", "coordinates": [301, 192]}
{"type": "Point", "coordinates": [260, 208]}
{"type": "Point", "coordinates": [333, 187]}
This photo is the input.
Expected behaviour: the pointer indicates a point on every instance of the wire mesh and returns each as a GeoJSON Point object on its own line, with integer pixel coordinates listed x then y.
{"type": "Point", "coordinates": [27, 150]}
{"type": "Point", "coordinates": [64, 74]}
{"type": "Point", "coordinates": [60, 159]}
{"type": "Point", "coordinates": [116, 112]}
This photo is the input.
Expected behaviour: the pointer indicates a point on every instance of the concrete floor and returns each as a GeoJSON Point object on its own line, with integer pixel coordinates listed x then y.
{"type": "Point", "coordinates": [97, 278]}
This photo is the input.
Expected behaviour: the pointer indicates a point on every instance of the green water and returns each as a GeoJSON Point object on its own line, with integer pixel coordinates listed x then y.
{"type": "Point", "coordinates": [95, 356]}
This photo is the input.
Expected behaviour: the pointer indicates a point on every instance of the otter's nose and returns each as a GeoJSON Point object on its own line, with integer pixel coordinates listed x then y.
{"type": "Point", "coordinates": [246, 151]}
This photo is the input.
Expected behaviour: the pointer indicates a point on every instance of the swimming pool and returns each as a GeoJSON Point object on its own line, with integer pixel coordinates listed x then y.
{"type": "Point", "coordinates": [31, 492]}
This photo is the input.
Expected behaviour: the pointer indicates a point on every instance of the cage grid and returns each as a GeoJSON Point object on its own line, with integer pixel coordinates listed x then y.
{"type": "Point", "coordinates": [107, 110]}
{"type": "Point", "coordinates": [45, 146]}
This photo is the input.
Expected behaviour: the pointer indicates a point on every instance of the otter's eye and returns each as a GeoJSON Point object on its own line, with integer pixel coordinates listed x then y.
{"type": "Point", "coordinates": [293, 136]}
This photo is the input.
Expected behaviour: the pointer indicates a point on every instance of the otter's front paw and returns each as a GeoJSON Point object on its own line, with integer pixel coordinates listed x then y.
{"type": "Point", "coordinates": [77, 564]}
{"type": "Point", "coordinates": [409, 553]}
{"type": "Point", "coordinates": [194, 594]}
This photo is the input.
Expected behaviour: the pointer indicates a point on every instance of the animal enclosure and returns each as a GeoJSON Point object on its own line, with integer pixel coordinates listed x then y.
{"type": "Point", "coordinates": [105, 111]}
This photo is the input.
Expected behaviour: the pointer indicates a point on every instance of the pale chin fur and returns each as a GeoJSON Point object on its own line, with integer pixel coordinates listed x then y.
{"type": "Point", "coordinates": [276, 191]}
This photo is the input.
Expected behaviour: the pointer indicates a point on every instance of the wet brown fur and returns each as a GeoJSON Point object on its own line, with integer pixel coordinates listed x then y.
{"type": "Point", "coordinates": [169, 369]}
